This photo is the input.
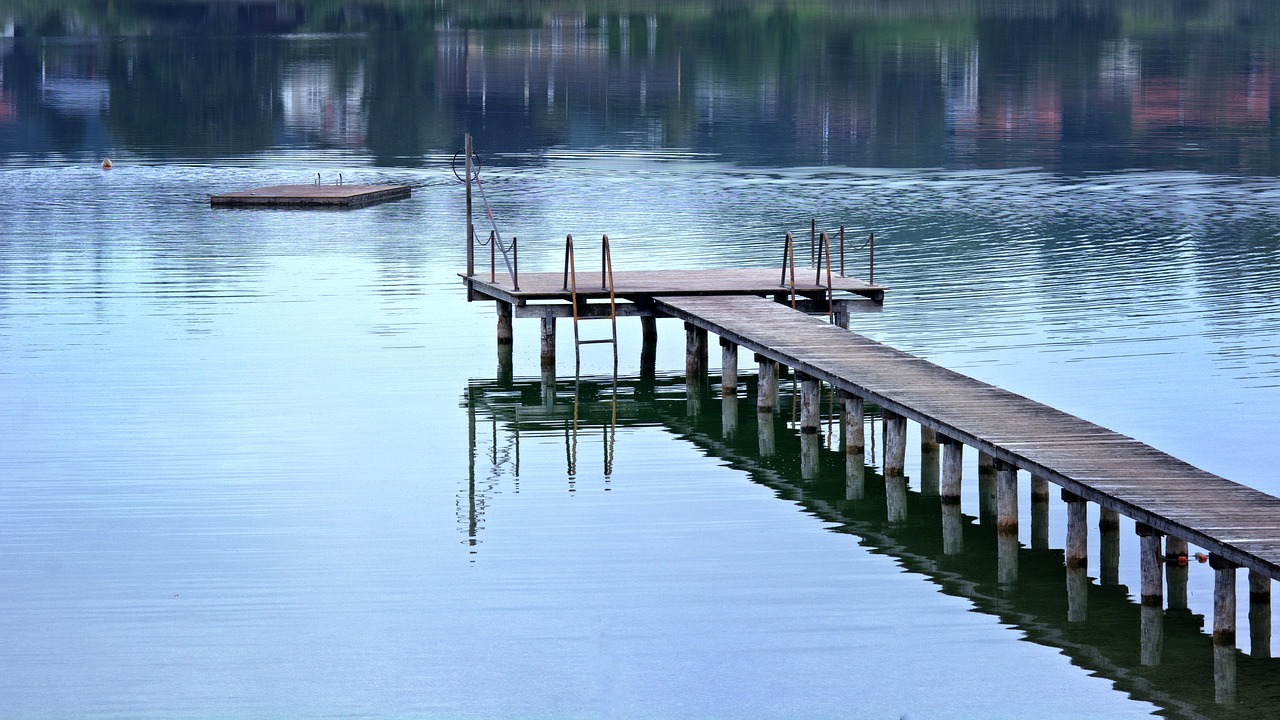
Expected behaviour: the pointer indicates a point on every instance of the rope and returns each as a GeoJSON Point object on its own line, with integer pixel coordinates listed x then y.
{"type": "Point", "coordinates": [475, 173]}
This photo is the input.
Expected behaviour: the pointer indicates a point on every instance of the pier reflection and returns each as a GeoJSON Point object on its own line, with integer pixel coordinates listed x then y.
{"type": "Point", "coordinates": [1155, 655]}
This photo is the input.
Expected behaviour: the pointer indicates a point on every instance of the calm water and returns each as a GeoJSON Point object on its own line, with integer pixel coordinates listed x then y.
{"type": "Point", "coordinates": [263, 463]}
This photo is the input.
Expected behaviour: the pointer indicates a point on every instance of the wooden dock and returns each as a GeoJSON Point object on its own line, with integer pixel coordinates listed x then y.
{"type": "Point", "coordinates": [1232, 521]}
{"type": "Point", "coordinates": [311, 196]}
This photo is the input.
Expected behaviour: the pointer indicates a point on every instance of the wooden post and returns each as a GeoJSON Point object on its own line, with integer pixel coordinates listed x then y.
{"type": "Point", "coordinates": [1108, 547]}
{"type": "Point", "coordinates": [1077, 594]}
{"type": "Point", "coordinates": [1006, 498]}
{"type": "Point", "coordinates": [855, 453]}
{"type": "Point", "coordinates": [767, 385]}
{"type": "Point", "coordinates": [1224, 628]}
{"type": "Point", "coordinates": [695, 354]}
{"type": "Point", "coordinates": [729, 415]}
{"type": "Point", "coordinates": [1175, 556]}
{"type": "Point", "coordinates": [1077, 550]}
{"type": "Point", "coordinates": [841, 316]}
{"type": "Point", "coordinates": [1151, 558]}
{"type": "Point", "coordinates": [986, 488]}
{"type": "Point", "coordinates": [648, 330]}
{"type": "Point", "coordinates": [471, 231]}
{"type": "Point", "coordinates": [1259, 615]}
{"type": "Point", "coordinates": [952, 521]}
{"type": "Point", "coordinates": [895, 457]}
{"type": "Point", "coordinates": [505, 336]}
{"type": "Point", "coordinates": [549, 386]}
{"type": "Point", "coordinates": [728, 368]}
{"type": "Point", "coordinates": [810, 403]}
{"type": "Point", "coordinates": [929, 458]}
{"type": "Point", "coordinates": [548, 342]}
{"type": "Point", "coordinates": [1039, 513]}
{"type": "Point", "coordinates": [1006, 557]}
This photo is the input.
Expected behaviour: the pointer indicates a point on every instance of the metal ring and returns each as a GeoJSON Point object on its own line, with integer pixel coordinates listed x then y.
{"type": "Point", "coordinates": [475, 165]}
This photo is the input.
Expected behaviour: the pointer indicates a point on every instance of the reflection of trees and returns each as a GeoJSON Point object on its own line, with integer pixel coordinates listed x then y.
{"type": "Point", "coordinates": [203, 97]}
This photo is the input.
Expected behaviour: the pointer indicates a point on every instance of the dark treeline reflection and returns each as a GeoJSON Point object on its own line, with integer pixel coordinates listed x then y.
{"type": "Point", "coordinates": [1066, 85]}
{"type": "Point", "coordinates": [1157, 655]}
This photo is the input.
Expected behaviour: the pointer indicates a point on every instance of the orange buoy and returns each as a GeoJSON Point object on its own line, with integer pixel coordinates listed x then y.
{"type": "Point", "coordinates": [106, 164]}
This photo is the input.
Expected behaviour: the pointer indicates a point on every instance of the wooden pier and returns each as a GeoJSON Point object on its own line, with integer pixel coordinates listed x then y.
{"type": "Point", "coordinates": [311, 196]}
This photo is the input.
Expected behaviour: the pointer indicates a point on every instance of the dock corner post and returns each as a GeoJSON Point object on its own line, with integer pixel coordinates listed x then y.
{"type": "Point", "coordinates": [930, 456]}
{"type": "Point", "coordinates": [695, 357]}
{"type": "Point", "coordinates": [505, 333]}
{"type": "Point", "coordinates": [1077, 557]}
{"type": "Point", "coordinates": [949, 490]}
{"type": "Point", "coordinates": [1259, 615]}
{"type": "Point", "coordinates": [841, 318]}
{"type": "Point", "coordinates": [1175, 557]}
{"type": "Point", "coordinates": [767, 387]}
{"type": "Point", "coordinates": [855, 452]}
{"type": "Point", "coordinates": [1224, 629]}
{"type": "Point", "coordinates": [1151, 559]}
{"type": "Point", "coordinates": [810, 403]}
{"type": "Point", "coordinates": [895, 457]}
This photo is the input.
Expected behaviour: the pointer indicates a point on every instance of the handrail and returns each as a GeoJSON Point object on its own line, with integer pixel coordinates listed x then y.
{"type": "Point", "coordinates": [789, 253]}
{"type": "Point", "coordinates": [825, 244]}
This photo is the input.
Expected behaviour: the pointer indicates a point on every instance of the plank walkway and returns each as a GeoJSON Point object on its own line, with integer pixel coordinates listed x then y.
{"type": "Point", "coordinates": [313, 196]}
{"type": "Point", "coordinates": [643, 285]}
{"type": "Point", "coordinates": [1236, 522]}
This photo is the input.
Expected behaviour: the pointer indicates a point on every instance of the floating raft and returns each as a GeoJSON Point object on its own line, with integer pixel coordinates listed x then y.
{"type": "Point", "coordinates": [311, 196]}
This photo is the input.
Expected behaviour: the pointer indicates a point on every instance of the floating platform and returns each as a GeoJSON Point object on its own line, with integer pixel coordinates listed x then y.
{"type": "Point", "coordinates": [311, 196]}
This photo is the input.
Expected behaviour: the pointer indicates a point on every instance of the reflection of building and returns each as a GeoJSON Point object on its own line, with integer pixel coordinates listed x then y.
{"type": "Point", "coordinates": [71, 84]}
{"type": "Point", "coordinates": [325, 106]}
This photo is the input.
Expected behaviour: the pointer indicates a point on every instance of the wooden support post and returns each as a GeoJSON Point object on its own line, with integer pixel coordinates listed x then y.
{"type": "Point", "coordinates": [505, 335]}
{"type": "Point", "coordinates": [929, 459]}
{"type": "Point", "coordinates": [695, 354]}
{"type": "Point", "coordinates": [895, 457]}
{"type": "Point", "coordinates": [1006, 557]}
{"type": "Point", "coordinates": [1006, 498]}
{"type": "Point", "coordinates": [767, 385]}
{"type": "Point", "coordinates": [648, 349]}
{"type": "Point", "coordinates": [549, 385]}
{"type": "Point", "coordinates": [952, 521]}
{"type": "Point", "coordinates": [1151, 558]}
{"type": "Point", "coordinates": [810, 403]}
{"type": "Point", "coordinates": [1039, 513]}
{"type": "Point", "coordinates": [986, 488]}
{"type": "Point", "coordinates": [1077, 594]}
{"type": "Point", "coordinates": [1077, 550]}
{"type": "Point", "coordinates": [728, 368]}
{"type": "Point", "coordinates": [952, 470]}
{"type": "Point", "coordinates": [729, 416]}
{"type": "Point", "coordinates": [855, 452]}
{"type": "Point", "coordinates": [1108, 547]}
{"type": "Point", "coordinates": [1259, 615]}
{"type": "Point", "coordinates": [841, 315]}
{"type": "Point", "coordinates": [1224, 629]}
{"type": "Point", "coordinates": [549, 342]}
{"type": "Point", "coordinates": [648, 330]}
{"type": "Point", "coordinates": [1175, 557]}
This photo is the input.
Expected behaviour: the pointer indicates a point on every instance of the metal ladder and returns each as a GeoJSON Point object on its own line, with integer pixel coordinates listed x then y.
{"type": "Point", "coordinates": [606, 282]}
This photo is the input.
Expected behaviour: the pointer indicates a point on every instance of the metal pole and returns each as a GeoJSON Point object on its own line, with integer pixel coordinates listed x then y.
{"type": "Point", "coordinates": [471, 251]}
{"type": "Point", "coordinates": [871, 272]}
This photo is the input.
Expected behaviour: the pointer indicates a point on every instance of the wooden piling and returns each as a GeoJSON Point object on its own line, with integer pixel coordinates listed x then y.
{"type": "Point", "coordinates": [729, 416]}
{"type": "Point", "coordinates": [1176, 572]}
{"type": "Point", "coordinates": [1151, 559]}
{"type": "Point", "coordinates": [810, 403]}
{"type": "Point", "coordinates": [1259, 615]}
{"type": "Point", "coordinates": [855, 457]}
{"type": "Point", "coordinates": [1152, 635]}
{"type": "Point", "coordinates": [1006, 498]}
{"type": "Point", "coordinates": [1007, 557]}
{"type": "Point", "coordinates": [1039, 513]}
{"type": "Point", "coordinates": [767, 385]}
{"type": "Point", "coordinates": [895, 456]}
{"type": "Point", "coordinates": [986, 488]}
{"type": "Point", "coordinates": [505, 335]}
{"type": "Point", "coordinates": [952, 529]}
{"type": "Point", "coordinates": [695, 354]}
{"type": "Point", "coordinates": [1108, 551]}
{"type": "Point", "coordinates": [548, 352]}
{"type": "Point", "coordinates": [810, 443]}
{"type": "Point", "coordinates": [648, 330]}
{"type": "Point", "coordinates": [952, 469]}
{"type": "Point", "coordinates": [1077, 550]}
{"type": "Point", "coordinates": [728, 368]}
{"type": "Point", "coordinates": [766, 432]}
{"type": "Point", "coordinates": [1077, 592]}
{"type": "Point", "coordinates": [929, 459]}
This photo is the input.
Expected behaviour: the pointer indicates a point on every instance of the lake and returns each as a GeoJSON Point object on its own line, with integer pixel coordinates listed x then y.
{"type": "Point", "coordinates": [264, 463]}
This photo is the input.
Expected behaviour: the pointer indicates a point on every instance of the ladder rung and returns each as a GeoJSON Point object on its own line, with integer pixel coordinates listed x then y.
{"type": "Point", "coordinates": [594, 342]}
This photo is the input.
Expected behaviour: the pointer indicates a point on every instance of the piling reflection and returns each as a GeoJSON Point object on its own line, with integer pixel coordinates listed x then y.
{"type": "Point", "coordinates": [1158, 656]}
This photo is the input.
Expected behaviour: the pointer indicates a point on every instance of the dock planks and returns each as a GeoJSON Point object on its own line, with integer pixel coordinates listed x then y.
{"type": "Point", "coordinates": [311, 196]}
{"type": "Point", "coordinates": [643, 285]}
{"type": "Point", "coordinates": [1236, 522]}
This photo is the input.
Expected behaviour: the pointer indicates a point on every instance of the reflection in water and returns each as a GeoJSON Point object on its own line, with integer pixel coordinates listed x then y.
{"type": "Point", "coordinates": [1155, 655]}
